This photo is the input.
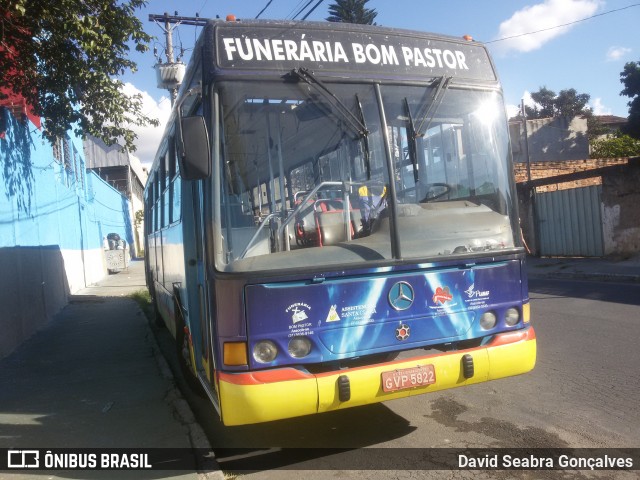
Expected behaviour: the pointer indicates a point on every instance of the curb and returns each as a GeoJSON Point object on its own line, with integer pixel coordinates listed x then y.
{"type": "Point", "coordinates": [208, 468]}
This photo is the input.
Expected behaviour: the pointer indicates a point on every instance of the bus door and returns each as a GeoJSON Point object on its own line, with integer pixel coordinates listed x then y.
{"type": "Point", "coordinates": [201, 332]}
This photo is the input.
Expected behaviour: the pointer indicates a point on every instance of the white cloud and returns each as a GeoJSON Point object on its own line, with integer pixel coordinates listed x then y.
{"type": "Point", "coordinates": [598, 107]}
{"type": "Point", "coordinates": [514, 110]}
{"type": "Point", "coordinates": [541, 16]}
{"type": "Point", "coordinates": [616, 53]}
{"type": "Point", "coordinates": [149, 137]}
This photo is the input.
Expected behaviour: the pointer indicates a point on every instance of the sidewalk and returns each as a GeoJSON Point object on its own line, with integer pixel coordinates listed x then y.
{"type": "Point", "coordinates": [94, 378]}
{"type": "Point", "coordinates": [608, 269]}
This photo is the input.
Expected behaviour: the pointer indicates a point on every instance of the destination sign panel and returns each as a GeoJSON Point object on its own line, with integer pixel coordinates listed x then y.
{"type": "Point", "coordinates": [285, 48]}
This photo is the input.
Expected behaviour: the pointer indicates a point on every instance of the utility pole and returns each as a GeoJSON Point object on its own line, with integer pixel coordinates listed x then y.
{"type": "Point", "coordinates": [531, 190]}
{"type": "Point", "coordinates": [526, 140]}
{"type": "Point", "coordinates": [169, 75]}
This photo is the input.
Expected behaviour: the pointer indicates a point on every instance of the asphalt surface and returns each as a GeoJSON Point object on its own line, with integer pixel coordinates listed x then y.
{"type": "Point", "coordinates": [623, 269]}
{"type": "Point", "coordinates": [94, 377]}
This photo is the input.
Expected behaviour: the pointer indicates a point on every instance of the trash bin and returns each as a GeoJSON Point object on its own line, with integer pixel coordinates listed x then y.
{"type": "Point", "coordinates": [117, 255]}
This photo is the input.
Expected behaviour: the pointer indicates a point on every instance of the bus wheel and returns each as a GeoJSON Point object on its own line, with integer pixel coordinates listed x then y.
{"type": "Point", "coordinates": [184, 355]}
{"type": "Point", "coordinates": [157, 318]}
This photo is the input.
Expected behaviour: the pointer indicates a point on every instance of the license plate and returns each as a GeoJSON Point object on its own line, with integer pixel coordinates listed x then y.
{"type": "Point", "coordinates": [408, 378]}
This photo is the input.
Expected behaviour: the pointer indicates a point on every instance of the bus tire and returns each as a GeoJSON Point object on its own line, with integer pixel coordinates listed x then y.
{"type": "Point", "coordinates": [157, 318]}
{"type": "Point", "coordinates": [184, 354]}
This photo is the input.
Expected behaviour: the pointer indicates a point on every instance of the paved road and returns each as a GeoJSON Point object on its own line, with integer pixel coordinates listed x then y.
{"type": "Point", "coordinates": [584, 392]}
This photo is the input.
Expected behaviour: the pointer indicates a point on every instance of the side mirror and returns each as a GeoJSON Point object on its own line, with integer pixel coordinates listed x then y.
{"type": "Point", "coordinates": [192, 144]}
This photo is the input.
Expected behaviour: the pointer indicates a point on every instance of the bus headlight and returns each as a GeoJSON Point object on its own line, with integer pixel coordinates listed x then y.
{"type": "Point", "coordinates": [488, 320]}
{"type": "Point", "coordinates": [265, 351]}
{"type": "Point", "coordinates": [299, 347]}
{"type": "Point", "coordinates": [512, 316]}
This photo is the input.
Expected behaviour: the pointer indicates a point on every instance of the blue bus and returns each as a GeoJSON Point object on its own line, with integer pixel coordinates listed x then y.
{"type": "Point", "coordinates": [331, 219]}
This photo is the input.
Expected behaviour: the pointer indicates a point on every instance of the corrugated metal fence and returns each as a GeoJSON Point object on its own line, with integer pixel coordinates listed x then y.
{"type": "Point", "coordinates": [570, 222]}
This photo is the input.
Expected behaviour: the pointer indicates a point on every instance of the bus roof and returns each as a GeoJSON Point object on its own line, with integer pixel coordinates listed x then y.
{"type": "Point", "coordinates": [362, 50]}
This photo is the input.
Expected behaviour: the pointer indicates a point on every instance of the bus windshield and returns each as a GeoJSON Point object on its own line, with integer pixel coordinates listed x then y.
{"type": "Point", "coordinates": [311, 177]}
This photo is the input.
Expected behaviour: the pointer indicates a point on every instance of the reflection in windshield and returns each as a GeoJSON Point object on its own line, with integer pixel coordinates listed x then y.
{"type": "Point", "coordinates": [301, 188]}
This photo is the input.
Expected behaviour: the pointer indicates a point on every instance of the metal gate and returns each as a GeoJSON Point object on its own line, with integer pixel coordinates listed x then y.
{"type": "Point", "coordinates": [570, 222]}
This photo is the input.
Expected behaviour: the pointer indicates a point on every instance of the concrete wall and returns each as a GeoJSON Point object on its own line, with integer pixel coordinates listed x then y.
{"type": "Point", "coordinates": [123, 171]}
{"type": "Point", "coordinates": [621, 211]}
{"type": "Point", "coordinates": [550, 139]}
{"type": "Point", "coordinates": [53, 216]}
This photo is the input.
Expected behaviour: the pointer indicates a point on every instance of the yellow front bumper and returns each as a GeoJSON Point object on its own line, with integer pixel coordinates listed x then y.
{"type": "Point", "coordinates": [263, 396]}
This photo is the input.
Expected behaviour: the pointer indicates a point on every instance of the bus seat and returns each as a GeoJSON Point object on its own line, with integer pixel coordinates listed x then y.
{"type": "Point", "coordinates": [306, 230]}
{"type": "Point", "coordinates": [356, 222]}
{"type": "Point", "coordinates": [330, 222]}
{"type": "Point", "coordinates": [331, 227]}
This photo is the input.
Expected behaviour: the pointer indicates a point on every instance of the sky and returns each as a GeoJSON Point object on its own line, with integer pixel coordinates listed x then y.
{"type": "Point", "coordinates": [558, 44]}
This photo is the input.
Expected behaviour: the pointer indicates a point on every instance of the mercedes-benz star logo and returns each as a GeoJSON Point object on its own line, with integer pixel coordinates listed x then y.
{"type": "Point", "coordinates": [401, 296]}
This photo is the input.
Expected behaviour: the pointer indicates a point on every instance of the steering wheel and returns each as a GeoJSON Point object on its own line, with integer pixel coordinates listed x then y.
{"type": "Point", "coordinates": [430, 186]}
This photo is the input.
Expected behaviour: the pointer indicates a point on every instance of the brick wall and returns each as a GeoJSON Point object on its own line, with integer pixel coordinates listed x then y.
{"type": "Point", "coordinates": [541, 170]}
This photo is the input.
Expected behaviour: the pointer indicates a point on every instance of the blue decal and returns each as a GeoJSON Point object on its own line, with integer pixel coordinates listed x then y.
{"type": "Point", "coordinates": [381, 311]}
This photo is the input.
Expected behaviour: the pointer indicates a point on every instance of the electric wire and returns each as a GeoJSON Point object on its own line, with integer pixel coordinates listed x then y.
{"type": "Point", "coordinates": [289, 15]}
{"type": "Point", "coordinates": [306, 5]}
{"type": "Point", "coordinates": [311, 11]}
{"type": "Point", "coordinates": [265, 7]}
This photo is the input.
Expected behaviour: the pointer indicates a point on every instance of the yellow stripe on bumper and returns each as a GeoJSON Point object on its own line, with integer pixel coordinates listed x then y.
{"type": "Point", "coordinates": [284, 393]}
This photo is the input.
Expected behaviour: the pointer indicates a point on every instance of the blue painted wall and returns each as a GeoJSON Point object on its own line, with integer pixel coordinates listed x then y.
{"type": "Point", "coordinates": [53, 217]}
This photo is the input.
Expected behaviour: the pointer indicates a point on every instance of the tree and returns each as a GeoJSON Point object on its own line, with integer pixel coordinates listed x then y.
{"type": "Point", "coordinates": [570, 103]}
{"type": "Point", "coordinates": [567, 103]}
{"type": "Point", "coordinates": [630, 78]}
{"type": "Point", "coordinates": [351, 11]}
{"type": "Point", "coordinates": [64, 58]}
{"type": "Point", "coordinates": [619, 145]}
{"type": "Point", "coordinates": [543, 107]}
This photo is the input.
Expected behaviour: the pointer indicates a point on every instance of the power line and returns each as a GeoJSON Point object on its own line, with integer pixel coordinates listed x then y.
{"type": "Point", "coordinates": [289, 15]}
{"type": "Point", "coordinates": [265, 7]}
{"type": "Point", "coordinates": [564, 24]}
{"type": "Point", "coordinates": [302, 9]}
{"type": "Point", "coordinates": [311, 11]}
{"type": "Point", "coordinates": [201, 8]}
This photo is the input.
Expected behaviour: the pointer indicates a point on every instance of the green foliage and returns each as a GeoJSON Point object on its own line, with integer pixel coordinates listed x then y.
{"type": "Point", "coordinates": [139, 218]}
{"type": "Point", "coordinates": [567, 103]}
{"type": "Point", "coordinates": [351, 11]}
{"type": "Point", "coordinates": [544, 107]}
{"type": "Point", "coordinates": [630, 78]}
{"type": "Point", "coordinates": [619, 145]}
{"type": "Point", "coordinates": [143, 299]}
{"type": "Point", "coordinates": [64, 58]}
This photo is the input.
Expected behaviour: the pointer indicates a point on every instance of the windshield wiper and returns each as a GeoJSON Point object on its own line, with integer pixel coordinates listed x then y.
{"type": "Point", "coordinates": [412, 144]}
{"type": "Point", "coordinates": [365, 139]}
{"type": "Point", "coordinates": [436, 100]}
{"type": "Point", "coordinates": [412, 132]}
{"type": "Point", "coordinates": [347, 115]}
